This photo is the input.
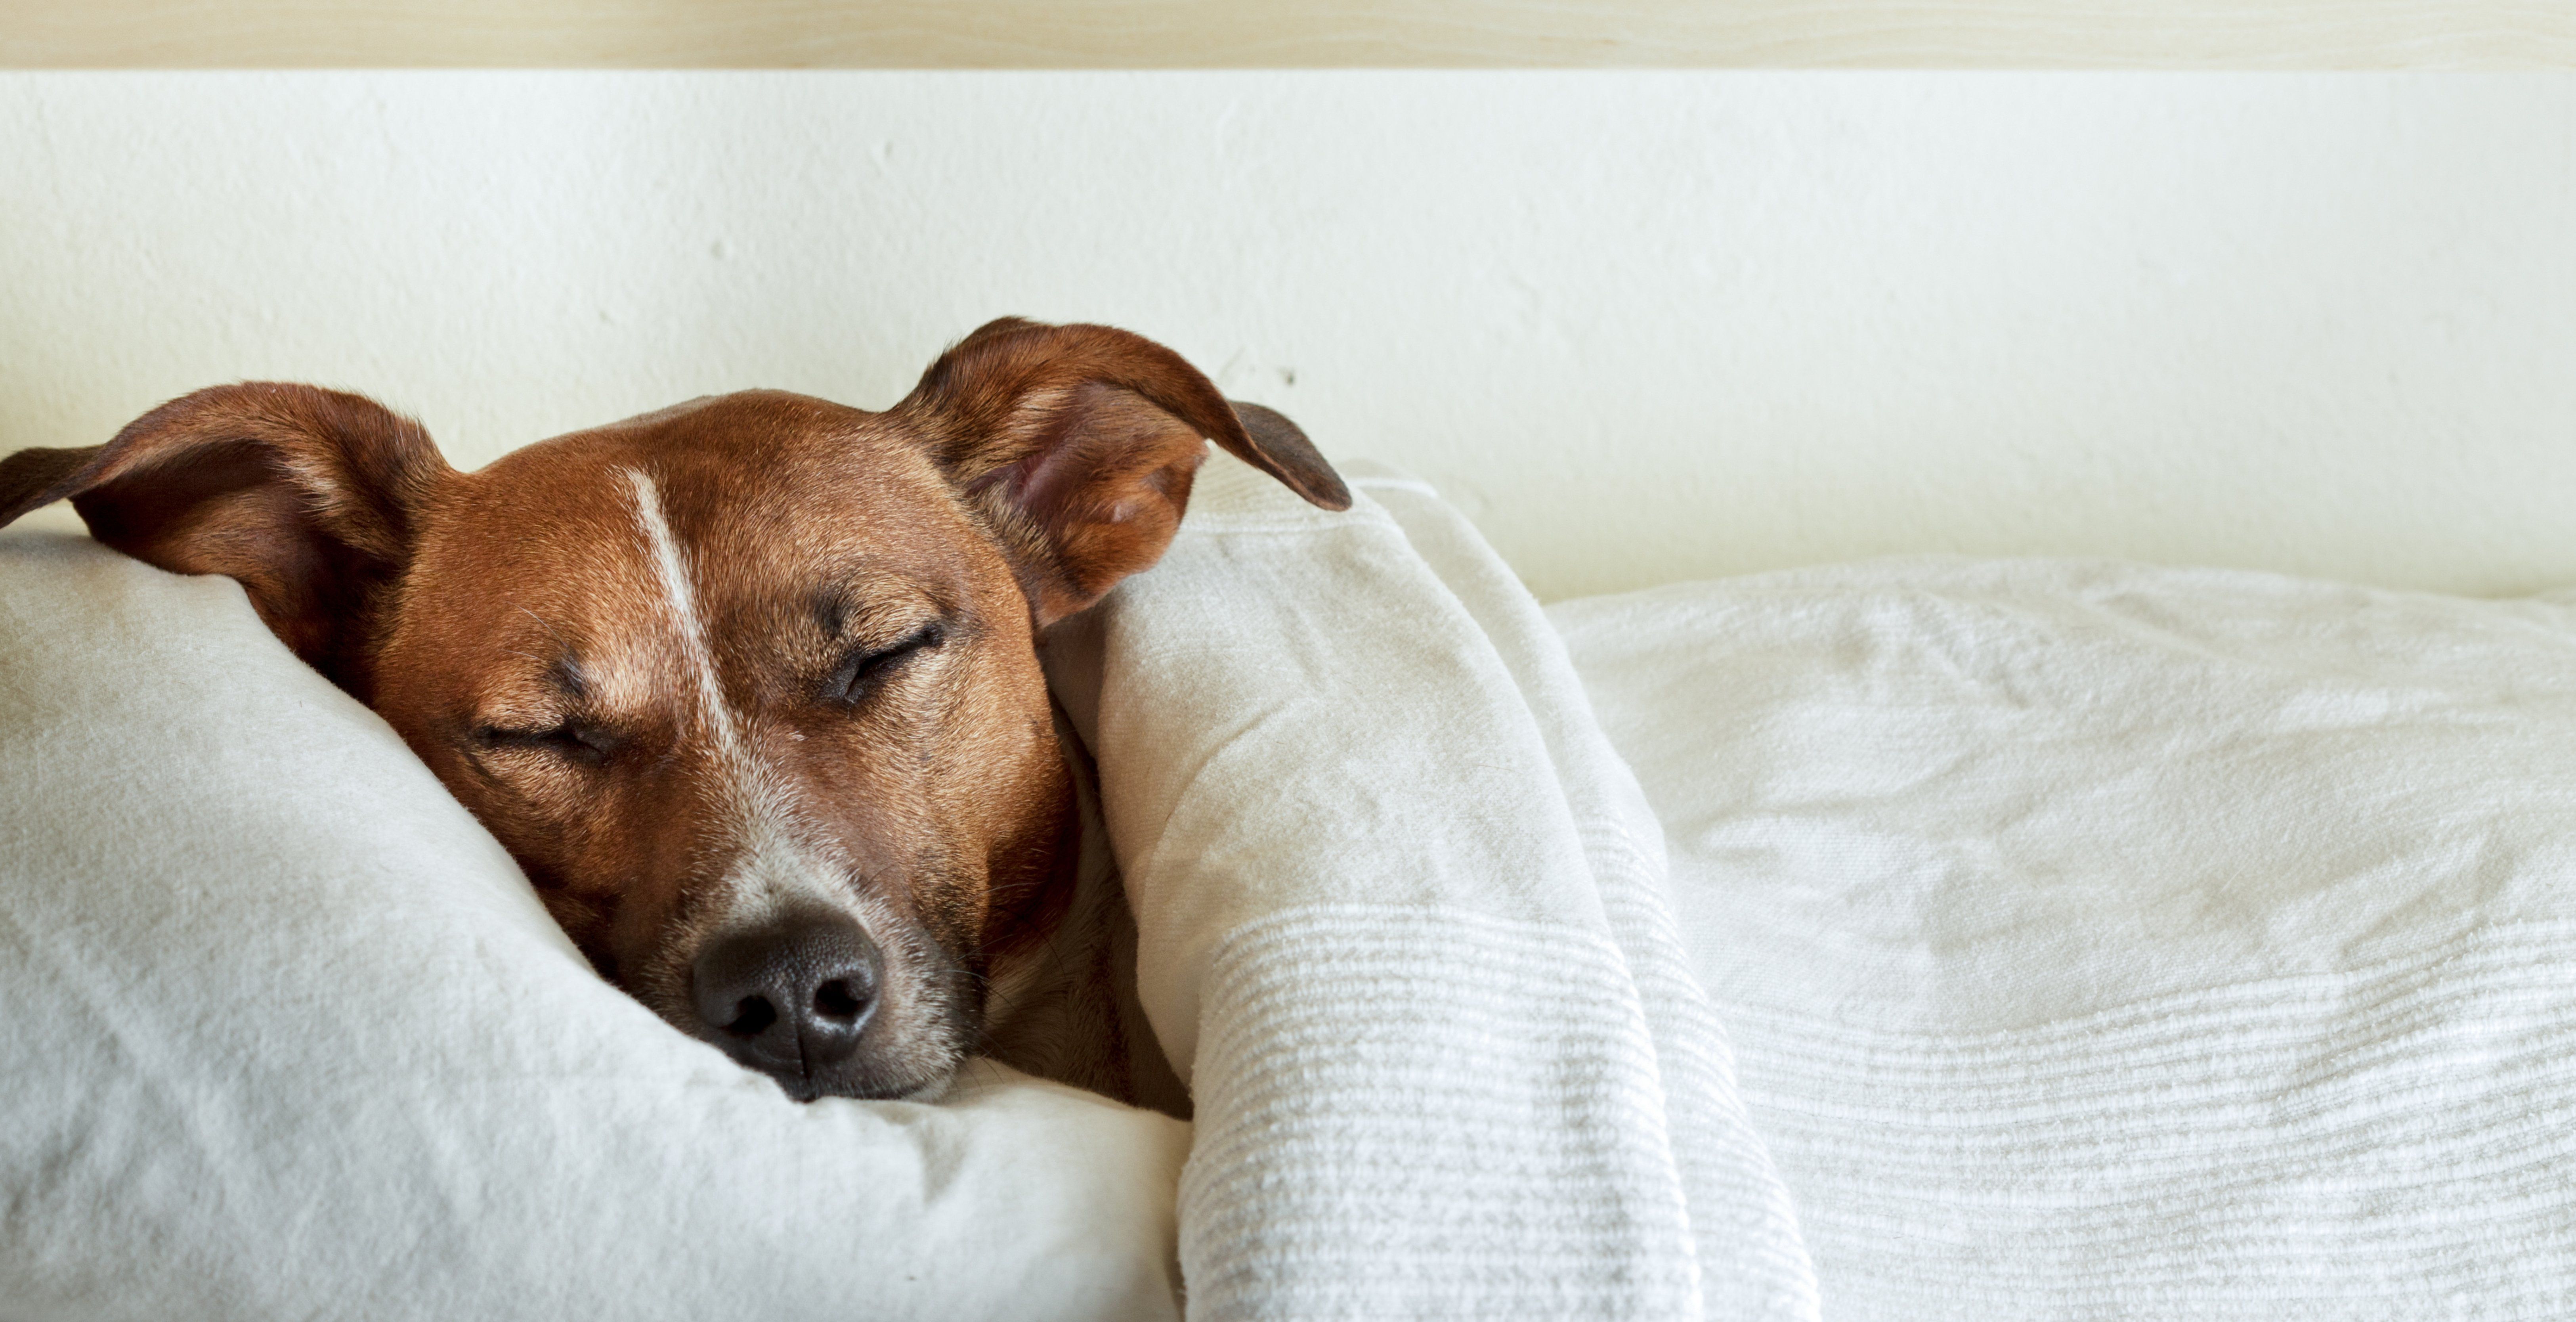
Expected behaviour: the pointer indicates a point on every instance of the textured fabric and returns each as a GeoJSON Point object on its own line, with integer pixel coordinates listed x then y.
{"type": "Point", "coordinates": [2095, 941]}
{"type": "Point", "coordinates": [1753, 1262]}
{"type": "Point", "coordinates": [1401, 926]}
{"type": "Point", "coordinates": [287, 1036]}
{"type": "Point", "coordinates": [2104, 941]}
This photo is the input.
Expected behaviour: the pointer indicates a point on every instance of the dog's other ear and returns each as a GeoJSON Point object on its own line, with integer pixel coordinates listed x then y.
{"type": "Point", "coordinates": [306, 496]}
{"type": "Point", "coordinates": [1079, 444]}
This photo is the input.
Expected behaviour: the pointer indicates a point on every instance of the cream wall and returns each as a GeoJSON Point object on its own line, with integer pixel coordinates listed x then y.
{"type": "Point", "coordinates": [1642, 327]}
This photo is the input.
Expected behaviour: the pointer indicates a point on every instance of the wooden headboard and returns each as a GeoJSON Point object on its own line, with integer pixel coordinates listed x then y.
{"type": "Point", "coordinates": [1157, 34]}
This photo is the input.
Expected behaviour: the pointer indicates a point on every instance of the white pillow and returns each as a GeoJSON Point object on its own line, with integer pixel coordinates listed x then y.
{"type": "Point", "coordinates": [2104, 940]}
{"type": "Point", "coordinates": [283, 1033]}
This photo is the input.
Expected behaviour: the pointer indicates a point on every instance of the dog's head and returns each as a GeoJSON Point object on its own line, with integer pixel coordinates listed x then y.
{"type": "Point", "coordinates": [748, 686]}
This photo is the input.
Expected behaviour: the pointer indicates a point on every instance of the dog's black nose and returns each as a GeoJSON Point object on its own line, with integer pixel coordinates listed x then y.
{"type": "Point", "coordinates": [789, 997]}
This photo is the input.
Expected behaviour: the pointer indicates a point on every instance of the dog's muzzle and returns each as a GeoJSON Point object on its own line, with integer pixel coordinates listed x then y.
{"type": "Point", "coordinates": [791, 997]}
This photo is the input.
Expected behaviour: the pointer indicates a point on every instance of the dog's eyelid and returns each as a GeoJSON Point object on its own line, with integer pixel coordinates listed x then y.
{"type": "Point", "coordinates": [882, 617]}
{"type": "Point", "coordinates": [861, 667]}
{"type": "Point", "coordinates": [575, 738]}
{"type": "Point", "coordinates": [904, 640]}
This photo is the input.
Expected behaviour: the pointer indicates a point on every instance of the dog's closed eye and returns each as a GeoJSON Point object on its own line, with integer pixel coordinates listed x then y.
{"type": "Point", "coordinates": [864, 668]}
{"type": "Point", "coordinates": [572, 741]}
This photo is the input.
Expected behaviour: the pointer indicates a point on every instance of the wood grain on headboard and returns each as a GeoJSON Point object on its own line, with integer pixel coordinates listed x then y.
{"type": "Point", "coordinates": [1130, 34]}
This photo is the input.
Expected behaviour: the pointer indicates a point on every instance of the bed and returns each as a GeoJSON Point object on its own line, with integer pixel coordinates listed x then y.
{"type": "Point", "coordinates": [1913, 938]}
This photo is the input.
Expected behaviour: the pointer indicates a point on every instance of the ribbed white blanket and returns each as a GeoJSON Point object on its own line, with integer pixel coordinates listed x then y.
{"type": "Point", "coordinates": [2105, 941]}
{"type": "Point", "coordinates": [1403, 928]}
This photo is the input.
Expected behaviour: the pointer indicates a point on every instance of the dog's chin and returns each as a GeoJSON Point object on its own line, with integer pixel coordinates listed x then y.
{"type": "Point", "coordinates": [807, 1090]}
{"type": "Point", "coordinates": [863, 1084]}
{"type": "Point", "coordinates": [899, 1067]}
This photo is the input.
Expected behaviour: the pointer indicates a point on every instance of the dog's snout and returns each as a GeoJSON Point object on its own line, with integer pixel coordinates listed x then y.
{"type": "Point", "coordinates": [790, 997]}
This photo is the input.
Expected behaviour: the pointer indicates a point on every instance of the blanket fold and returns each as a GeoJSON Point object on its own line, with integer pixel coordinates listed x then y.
{"type": "Point", "coordinates": [1446, 1056]}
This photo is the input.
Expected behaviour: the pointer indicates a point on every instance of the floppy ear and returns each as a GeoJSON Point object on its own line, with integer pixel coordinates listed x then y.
{"type": "Point", "coordinates": [1079, 443]}
{"type": "Point", "coordinates": [306, 496]}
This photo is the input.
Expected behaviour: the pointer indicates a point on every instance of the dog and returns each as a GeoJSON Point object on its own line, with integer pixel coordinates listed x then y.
{"type": "Point", "coordinates": [750, 687]}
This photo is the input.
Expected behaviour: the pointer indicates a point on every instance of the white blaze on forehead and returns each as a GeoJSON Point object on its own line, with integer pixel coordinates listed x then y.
{"type": "Point", "coordinates": [680, 594]}
{"type": "Point", "coordinates": [771, 867]}
{"type": "Point", "coordinates": [771, 871]}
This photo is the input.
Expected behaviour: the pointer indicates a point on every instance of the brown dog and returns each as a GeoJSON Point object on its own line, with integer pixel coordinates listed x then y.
{"type": "Point", "coordinates": [748, 686]}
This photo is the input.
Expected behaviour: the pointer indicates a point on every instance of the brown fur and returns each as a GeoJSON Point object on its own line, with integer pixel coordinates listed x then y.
{"type": "Point", "coordinates": [509, 624]}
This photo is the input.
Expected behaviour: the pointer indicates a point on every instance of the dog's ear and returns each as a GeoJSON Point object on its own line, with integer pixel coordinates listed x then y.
{"type": "Point", "coordinates": [306, 496]}
{"type": "Point", "coordinates": [1079, 444]}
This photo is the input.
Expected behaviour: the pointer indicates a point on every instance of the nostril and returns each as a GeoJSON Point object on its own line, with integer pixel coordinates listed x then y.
{"type": "Point", "coordinates": [752, 1017]}
{"type": "Point", "coordinates": [839, 1002]}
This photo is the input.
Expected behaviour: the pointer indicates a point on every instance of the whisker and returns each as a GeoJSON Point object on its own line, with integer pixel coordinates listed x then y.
{"type": "Point", "coordinates": [544, 624]}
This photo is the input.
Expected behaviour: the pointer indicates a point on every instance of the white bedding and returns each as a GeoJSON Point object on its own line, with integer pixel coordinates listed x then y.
{"type": "Point", "coordinates": [292, 1038]}
{"type": "Point", "coordinates": [1402, 928]}
{"type": "Point", "coordinates": [2105, 941]}
{"type": "Point", "coordinates": [2096, 941]}
{"type": "Point", "coordinates": [283, 1034]}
